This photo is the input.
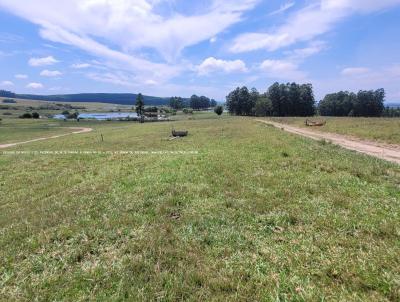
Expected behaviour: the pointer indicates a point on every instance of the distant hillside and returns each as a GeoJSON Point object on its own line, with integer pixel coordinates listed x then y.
{"type": "Point", "coordinates": [393, 105]}
{"type": "Point", "coordinates": [112, 98]}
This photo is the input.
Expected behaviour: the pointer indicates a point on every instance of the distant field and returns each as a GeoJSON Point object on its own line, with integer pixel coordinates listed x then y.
{"type": "Point", "coordinates": [12, 131]}
{"type": "Point", "coordinates": [256, 215]}
{"type": "Point", "coordinates": [380, 129]}
{"type": "Point", "coordinates": [45, 108]}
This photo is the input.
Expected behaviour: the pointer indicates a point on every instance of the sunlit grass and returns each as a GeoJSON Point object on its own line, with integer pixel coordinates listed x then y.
{"type": "Point", "coordinates": [378, 129]}
{"type": "Point", "coordinates": [258, 214]}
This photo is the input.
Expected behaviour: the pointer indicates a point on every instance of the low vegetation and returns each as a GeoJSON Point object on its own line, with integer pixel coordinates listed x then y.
{"type": "Point", "coordinates": [377, 129]}
{"type": "Point", "coordinates": [9, 101]}
{"type": "Point", "coordinates": [256, 214]}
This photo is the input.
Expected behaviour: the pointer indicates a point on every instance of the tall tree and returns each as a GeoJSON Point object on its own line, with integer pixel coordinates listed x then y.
{"type": "Point", "coordinates": [263, 106]}
{"type": "Point", "coordinates": [139, 104]}
{"type": "Point", "coordinates": [275, 96]}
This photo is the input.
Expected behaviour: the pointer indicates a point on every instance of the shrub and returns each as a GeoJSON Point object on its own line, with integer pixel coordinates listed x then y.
{"type": "Point", "coordinates": [26, 115]}
{"type": "Point", "coordinates": [9, 101]}
{"type": "Point", "coordinates": [219, 110]}
{"type": "Point", "coordinates": [187, 111]}
{"type": "Point", "coordinates": [35, 115]}
{"type": "Point", "coordinates": [74, 115]}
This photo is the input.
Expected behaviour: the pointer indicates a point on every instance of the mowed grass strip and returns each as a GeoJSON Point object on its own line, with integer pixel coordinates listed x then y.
{"type": "Point", "coordinates": [257, 215]}
{"type": "Point", "coordinates": [386, 130]}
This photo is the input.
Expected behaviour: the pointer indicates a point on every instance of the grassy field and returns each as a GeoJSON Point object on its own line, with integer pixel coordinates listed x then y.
{"type": "Point", "coordinates": [378, 129]}
{"type": "Point", "coordinates": [256, 214]}
{"type": "Point", "coordinates": [12, 130]}
{"type": "Point", "coordinates": [13, 110]}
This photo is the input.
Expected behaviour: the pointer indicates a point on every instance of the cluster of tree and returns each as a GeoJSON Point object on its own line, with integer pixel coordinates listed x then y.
{"type": "Point", "coordinates": [178, 103]}
{"type": "Point", "coordinates": [344, 103]}
{"type": "Point", "coordinates": [34, 115]}
{"type": "Point", "coordinates": [195, 102]}
{"type": "Point", "coordinates": [241, 101]}
{"type": "Point", "coordinates": [7, 94]}
{"type": "Point", "coordinates": [201, 102]}
{"type": "Point", "coordinates": [391, 112]}
{"type": "Point", "coordinates": [289, 99]}
{"type": "Point", "coordinates": [292, 99]}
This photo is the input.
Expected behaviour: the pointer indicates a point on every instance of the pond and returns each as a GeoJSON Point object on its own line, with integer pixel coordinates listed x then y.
{"type": "Point", "coordinates": [102, 116]}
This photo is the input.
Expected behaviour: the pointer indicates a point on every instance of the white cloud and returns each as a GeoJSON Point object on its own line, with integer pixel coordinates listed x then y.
{"type": "Point", "coordinates": [303, 53]}
{"type": "Point", "coordinates": [150, 82]}
{"type": "Point", "coordinates": [307, 23]}
{"type": "Point", "coordinates": [21, 76]}
{"type": "Point", "coordinates": [132, 25]}
{"type": "Point", "coordinates": [50, 73]}
{"type": "Point", "coordinates": [42, 61]}
{"type": "Point", "coordinates": [212, 65]}
{"type": "Point", "coordinates": [213, 40]}
{"type": "Point", "coordinates": [282, 69]}
{"type": "Point", "coordinates": [112, 78]}
{"type": "Point", "coordinates": [355, 71]}
{"type": "Point", "coordinates": [34, 86]}
{"type": "Point", "coordinates": [361, 78]}
{"type": "Point", "coordinates": [6, 84]}
{"type": "Point", "coordinates": [283, 8]}
{"type": "Point", "coordinates": [80, 65]}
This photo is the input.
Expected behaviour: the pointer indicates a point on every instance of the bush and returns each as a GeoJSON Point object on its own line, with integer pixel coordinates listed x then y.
{"type": "Point", "coordinates": [35, 115]}
{"type": "Point", "coordinates": [26, 115]}
{"type": "Point", "coordinates": [219, 110]}
{"type": "Point", "coordinates": [188, 111]}
{"type": "Point", "coordinates": [9, 101]}
{"type": "Point", "coordinates": [74, 115]}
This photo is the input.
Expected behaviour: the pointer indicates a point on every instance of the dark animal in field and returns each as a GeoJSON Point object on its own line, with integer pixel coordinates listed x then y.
{"type": "Point", "coordinates": [179, 133]}
{"type": "Point", "coordinates": [315, 124]}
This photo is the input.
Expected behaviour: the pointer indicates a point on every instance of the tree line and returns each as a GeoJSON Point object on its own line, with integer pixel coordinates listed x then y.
{"type": "Point", "coordinates": [364, 103]}
{"type": "Point", "coordinates": [292, 99]}
{"type": "Point", "coordinates": [289, 99]}
{"type": "Point", "coordinates": [195, 102]}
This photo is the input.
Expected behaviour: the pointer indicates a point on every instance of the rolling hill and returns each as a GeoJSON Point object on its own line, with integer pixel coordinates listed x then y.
{"type": "Point", "coordinates": [112, 98]}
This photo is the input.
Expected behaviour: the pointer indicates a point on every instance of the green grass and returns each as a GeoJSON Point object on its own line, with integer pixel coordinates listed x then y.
{"type": "Point", "coordinates": [378, 129]}
{"type": "Point", "coordinates": [257, 215]}
{"type": "Point", "coordinates": [45, 108]}
{"type": "Point", "coordinates": [12, 131]}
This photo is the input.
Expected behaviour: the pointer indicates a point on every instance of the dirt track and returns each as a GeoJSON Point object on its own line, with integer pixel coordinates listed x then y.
{"type": "Point", "coordinates": [387, 152]}
{"type": "Point", "coordinates": [77, 131]}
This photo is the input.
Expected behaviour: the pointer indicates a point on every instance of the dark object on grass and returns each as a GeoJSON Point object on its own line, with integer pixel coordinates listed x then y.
{"type": "Point", "coordinates": [179, 133]}
{"type": "Point", "coordinates": [315, 124]}
{"type": "Point", "coordinates": [26, 115]}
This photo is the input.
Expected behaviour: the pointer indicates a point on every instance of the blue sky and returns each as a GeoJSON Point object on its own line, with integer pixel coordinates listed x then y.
{"type": "Point", "coordinates": [180, 47]}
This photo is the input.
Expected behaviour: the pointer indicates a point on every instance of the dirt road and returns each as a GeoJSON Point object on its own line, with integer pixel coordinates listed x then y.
{"type": "Point", "coordinates": [387, 152]}
{"type": "Point", "coordinates": [76, 131]}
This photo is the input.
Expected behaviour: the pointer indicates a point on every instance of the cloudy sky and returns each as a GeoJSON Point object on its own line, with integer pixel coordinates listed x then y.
{"type": "Point", "coordinates": [181, 47]}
